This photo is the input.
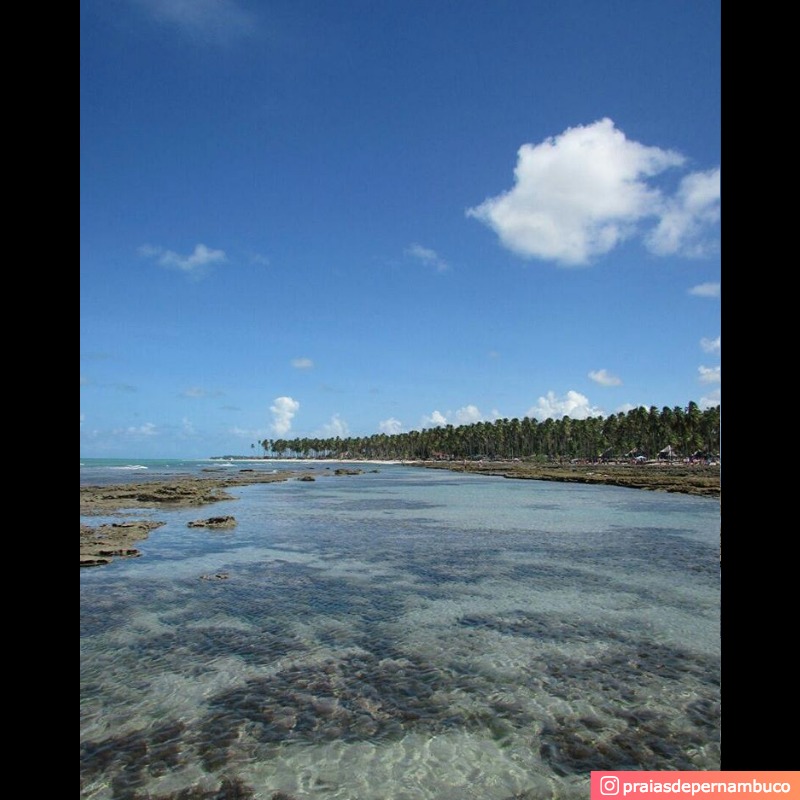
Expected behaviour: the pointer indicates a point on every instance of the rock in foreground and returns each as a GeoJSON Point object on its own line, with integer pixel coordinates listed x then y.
{"type": "Point", "coordinates": [100, 544]}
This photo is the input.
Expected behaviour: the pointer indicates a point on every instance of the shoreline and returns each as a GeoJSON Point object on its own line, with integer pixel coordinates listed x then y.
{"type": "Point", "coordinates": [695, 479]}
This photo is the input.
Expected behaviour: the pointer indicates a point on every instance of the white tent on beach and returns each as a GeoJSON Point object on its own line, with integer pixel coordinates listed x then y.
{"type": "Point", "coordinates": [668, 453]}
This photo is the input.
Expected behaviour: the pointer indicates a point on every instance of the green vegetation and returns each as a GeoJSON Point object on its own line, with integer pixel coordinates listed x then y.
{"type": "Point", "coordinates": [687, 432]}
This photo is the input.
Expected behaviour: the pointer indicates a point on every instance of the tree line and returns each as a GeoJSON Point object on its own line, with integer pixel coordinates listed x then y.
{"type": "Point", "coordinates": [680, 432]}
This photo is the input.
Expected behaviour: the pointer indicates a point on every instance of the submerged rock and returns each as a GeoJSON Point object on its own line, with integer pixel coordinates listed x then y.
{"type": "Point", "coordinates": [213, 522]}
{"type": "Point", "coordinates": [217, 576]}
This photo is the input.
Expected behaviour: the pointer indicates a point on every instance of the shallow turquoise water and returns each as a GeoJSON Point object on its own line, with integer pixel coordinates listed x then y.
{"type": "Point", "coordinates": [404, 633]}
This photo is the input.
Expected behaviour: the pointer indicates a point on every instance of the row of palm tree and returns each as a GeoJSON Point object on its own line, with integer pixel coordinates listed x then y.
{"type": "Point", "coordinates": [687, 431]}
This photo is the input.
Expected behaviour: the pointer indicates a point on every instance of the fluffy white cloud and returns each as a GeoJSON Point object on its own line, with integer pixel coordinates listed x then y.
{"type": "Point", "coordinates": [283, 410]}
{"type": "Point", "coordinates": [428, 256]}
{"type": "Point", "coordinates": [336, 427]}
{"type": "Point", "coordinates": [705, 290]}
{"type": "Point", "coordinates": [466, 415]}
{"type": "Point", "coordinates": [710, 374]}
{"type": "Point", "coordinates": [604, 378]}
{"type": "Point", "coordinates": [688, 216]}
{"type": "Point", "coordinates": [390, 426]}
{"type": "Point", "coordinates": [216, 21]}
{"type": "Point", "coordinates": [434, 420]}
{"type": "Point", "coordinates": [573, 405]}
{"type": "Point", "coordinates": [711, 345]}
{"type": "Point", "coordinates": [577, 195]}
{"type": "Point", "coordinates": [195, 264]}
{"type": "Point", "coordinates": [302, 363]}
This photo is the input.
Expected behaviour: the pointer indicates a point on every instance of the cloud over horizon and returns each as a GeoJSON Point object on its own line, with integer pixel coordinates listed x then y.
{"type": "Point", "coordinates": [466, 415]}
{"type": "Point", "coordinates": [578, 195]}
{"type": "Point", "coordinates": [710, 400]}
{"type": "Point", "coordinates": [283, 411]}
{"type": "Point", "coordinates": [336, 427]}
{"type": "Point", "coordinates": [390, 426]}
{"type": "Point", "coordinates": [573, 405]}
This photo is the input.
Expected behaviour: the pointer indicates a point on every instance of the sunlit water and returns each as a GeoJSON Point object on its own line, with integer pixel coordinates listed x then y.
{"type": "Point", "coordinates": [404, 634]}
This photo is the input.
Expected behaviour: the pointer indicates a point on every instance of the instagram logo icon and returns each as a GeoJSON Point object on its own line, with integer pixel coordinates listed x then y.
{"type": "Point", "coordinates": [609, 784]}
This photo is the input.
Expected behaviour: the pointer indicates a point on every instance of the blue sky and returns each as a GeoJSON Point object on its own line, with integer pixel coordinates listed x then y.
{"type": "Point", "coordinates": [310, 219]}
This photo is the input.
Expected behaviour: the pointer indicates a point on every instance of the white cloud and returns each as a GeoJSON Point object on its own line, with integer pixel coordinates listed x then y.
{"type": "Point", "coordinates": [688, 216]}
{"type": "Point", "coordinates": [302, 363]}
{"type": "Point", "coordinates": [705, 290]}
{"type": "Point", "coordinates": [283, 410]}
{"type": "Point", "coordinates": [577, 195]}
{"type": "Point", "coordinates": [435, 420]}
{"type": "Point", "coordinates": [625, 408]}
{"type": "Point", "coordinates": [573, 405]}
{"type": "Point", "coordinates": [336, 427]}
{"type": "Point", "coordinates": [187, 428]}
{"type": "Point", "coordinates": [710, 374]}
{"type": "Point", "coordinates": [604, 378]}
{"type": "Point", "coordinates": [711, 345]}
{"type": "Point", "coordinates": [215, 21]}
{"type": "Point", "coordinates": [390, 426]}
{"type": "Point", "coordinates": [428, 256]}
{"type": "Point", "coordinates": [196, 264]}
{"type": "Point", "coordinates": [711, 400]}
{"type": "Point", "coordinates": [467, 415]}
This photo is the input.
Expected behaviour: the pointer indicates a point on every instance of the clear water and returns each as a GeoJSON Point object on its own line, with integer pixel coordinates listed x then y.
{"type": "Point", "coordinates": [404, 634]}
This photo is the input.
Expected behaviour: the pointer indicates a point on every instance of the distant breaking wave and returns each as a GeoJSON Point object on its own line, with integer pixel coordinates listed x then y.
{"type": "Point", "coordinates": [131, 466]}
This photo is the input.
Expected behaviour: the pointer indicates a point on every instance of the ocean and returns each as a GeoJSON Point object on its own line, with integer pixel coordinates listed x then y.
{"type": "Point", "coordinates": [401, 634]}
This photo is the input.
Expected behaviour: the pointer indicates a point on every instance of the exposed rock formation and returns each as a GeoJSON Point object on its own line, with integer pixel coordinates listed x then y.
{"type": "Point", "coordinates": [213, 522]}
{"type": "Point", "coordinates": [100, 544]}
